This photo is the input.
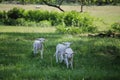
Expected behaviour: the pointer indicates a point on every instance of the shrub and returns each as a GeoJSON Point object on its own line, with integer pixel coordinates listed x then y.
{"type": "Point", "coordinates": [15, 13]}
{"type": "Point", "coordinates": [116, 27]}
{"type": "Point", "coordinates": [37, 15]}
{"type": "Point", "coordinates": [3, 16]}
{"type": "Point", "coordinates": [68, 30]}
{"type": "Point", "coordinates": [74, 18]}
{"type": "Point", "coordinates": [44, 23]}
{"type": "Point", "coordinates": [56, 18]}
{"type": "Point", "coordinates": [20, 22]}
{"type": "Point", "coordinates": [73, 22]}
{"type": "Point", "coordinates": [30, 24]}
{"type": "Point", "coordinates": [61, 29]}
{"type": "Point", "coordinates": [10, 21]}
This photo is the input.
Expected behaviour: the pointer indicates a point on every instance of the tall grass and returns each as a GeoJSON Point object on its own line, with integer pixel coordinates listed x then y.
{"type": "Point", "coordinates": [94, 59]}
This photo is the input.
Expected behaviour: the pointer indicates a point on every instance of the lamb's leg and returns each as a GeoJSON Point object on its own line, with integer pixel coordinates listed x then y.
{"type": "Point", "coordinates": [34, 51]}
{"type": "Point", "coordinates": [61, 58]}
{"type": "Point", "coordinates": [66, 62]}
{"type": "Point", "coordinates": [71, 64]}
{"type": "Point", "coordinates": [56, 54]}
{"type": "Point", "coordinates": [41, 53]}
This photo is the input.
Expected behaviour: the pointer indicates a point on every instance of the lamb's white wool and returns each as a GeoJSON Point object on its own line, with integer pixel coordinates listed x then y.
{"type": "Point", "coordinates": [68, 57]}
{"type": "Point", "coordinates": [60, 49]}
{"type": "Point", "coordinates": [67, 44]}
{"type": "Point", "coordinates": [38, 46]}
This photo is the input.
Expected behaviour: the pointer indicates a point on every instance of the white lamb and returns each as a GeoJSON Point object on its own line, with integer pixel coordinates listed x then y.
{"type": "Point", "coordinates": [60, 50]}
{"type": "Point", "coordinates": [68, 57]}
{"type": "Point", "coordinates": [38, 46]}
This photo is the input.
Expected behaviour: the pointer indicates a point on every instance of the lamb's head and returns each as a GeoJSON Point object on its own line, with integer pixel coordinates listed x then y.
{"type": "Point", "coordinates": [67, 44]}
{"type": "Point", "coordinates": [41, 39]}
{"type": "Point", "coordinates": [69, 53]}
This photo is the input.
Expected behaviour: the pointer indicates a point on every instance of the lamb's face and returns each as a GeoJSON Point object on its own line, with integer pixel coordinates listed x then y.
{"type": "Point", "coordinates": [69, 55]}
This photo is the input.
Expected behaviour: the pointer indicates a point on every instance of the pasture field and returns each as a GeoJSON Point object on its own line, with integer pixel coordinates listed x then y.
{"type": "Point", "coordinates": [107, 14]}
{"type": "Point", "coordinates": [95, 58]}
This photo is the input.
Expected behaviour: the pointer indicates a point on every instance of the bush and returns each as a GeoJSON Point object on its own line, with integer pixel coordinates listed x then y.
{"type": "Point", "coordinates": [73, 22]}
{"type": "Point", "coordinates": [20, 21]}
{"type": "Point", "coordinates": [15, 22]}
{"type": "Point", "coordinates": [68, 30]}
{"type": "Point", "coordinates": [56, 18]}
{"type": "Point", "coordinates": [37, 15]}
{"type": "Point", "coordinates": [3, 16]}
{"type": "Point", "coordinates": [71, 18]}
{"type": "Point", "coordinates": [74, 18]}
{"type": "Point", "coordinates": [44, 23]}
{"type": "Point", "coordinates": [116, 27]}
{"type": "Point", "coordinates": [15, 13]}
{"type": "Point", "coordinates": [30, 24]}
{"type": "Point", "coordinates": [10, 21]}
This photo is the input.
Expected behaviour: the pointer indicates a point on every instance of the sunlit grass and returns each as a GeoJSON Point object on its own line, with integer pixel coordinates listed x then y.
{"type": "Point", "coordinates": [24, 29]}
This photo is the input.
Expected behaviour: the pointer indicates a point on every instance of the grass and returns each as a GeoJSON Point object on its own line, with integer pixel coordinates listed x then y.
{"type": "Point", "coordinates": [23, 29]}
{"type": "Point", "coordinates": [95, 59]}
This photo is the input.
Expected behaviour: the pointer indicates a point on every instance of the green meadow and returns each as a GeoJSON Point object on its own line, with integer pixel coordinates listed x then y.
{"type": "Point", "coordinates": [95, 58]}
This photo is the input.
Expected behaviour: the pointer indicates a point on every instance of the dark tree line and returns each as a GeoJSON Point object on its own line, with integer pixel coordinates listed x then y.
{"type": "Point", "coordinates": [86, 2]}
{"type": "Point", "coordinates": [58, 3]}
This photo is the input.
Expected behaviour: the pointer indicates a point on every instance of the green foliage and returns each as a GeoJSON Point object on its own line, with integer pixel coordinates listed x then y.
{"type": "Point", "coordinates": [116, 27]}
{"type": "Point", "coordinates": [10, 21]}
{"type": "Point", "coordinates": [69, 30]}
{"type": "Point", "coordinates": [20, 21]}
{"type": "Point", "coordinates": [44, 23]}
{"type": "Point", "coordinates": [37, 15]}
{"type": "Point", "coordinates": [15, 13]}
{"type": "Point", "coordinates": [3, 16]}
{"type": "Point", "coordinates": [56, 18]}
{"type": "Point", "coordinates": [73, 21]}
{"type": "Point", "coordinates": [78, 19]}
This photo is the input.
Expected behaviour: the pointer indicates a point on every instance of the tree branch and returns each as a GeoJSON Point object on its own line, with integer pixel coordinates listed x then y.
{"type": "Point", "coordinates": [53, 5]}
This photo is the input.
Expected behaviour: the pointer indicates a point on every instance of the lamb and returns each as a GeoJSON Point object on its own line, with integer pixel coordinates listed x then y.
{"type": "Point", "coordinates": [68, 57]}
{"type": "Point", "coordinates": [38, 46]}
{"type": "Point", "coordinates": [60, 49]}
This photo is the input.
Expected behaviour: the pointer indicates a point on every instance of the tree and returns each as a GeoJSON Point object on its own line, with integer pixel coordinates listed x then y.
{"type": "Point", "coordinates": [59, 3]}
{"type": "Point", "coordinates": [82, 4]}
